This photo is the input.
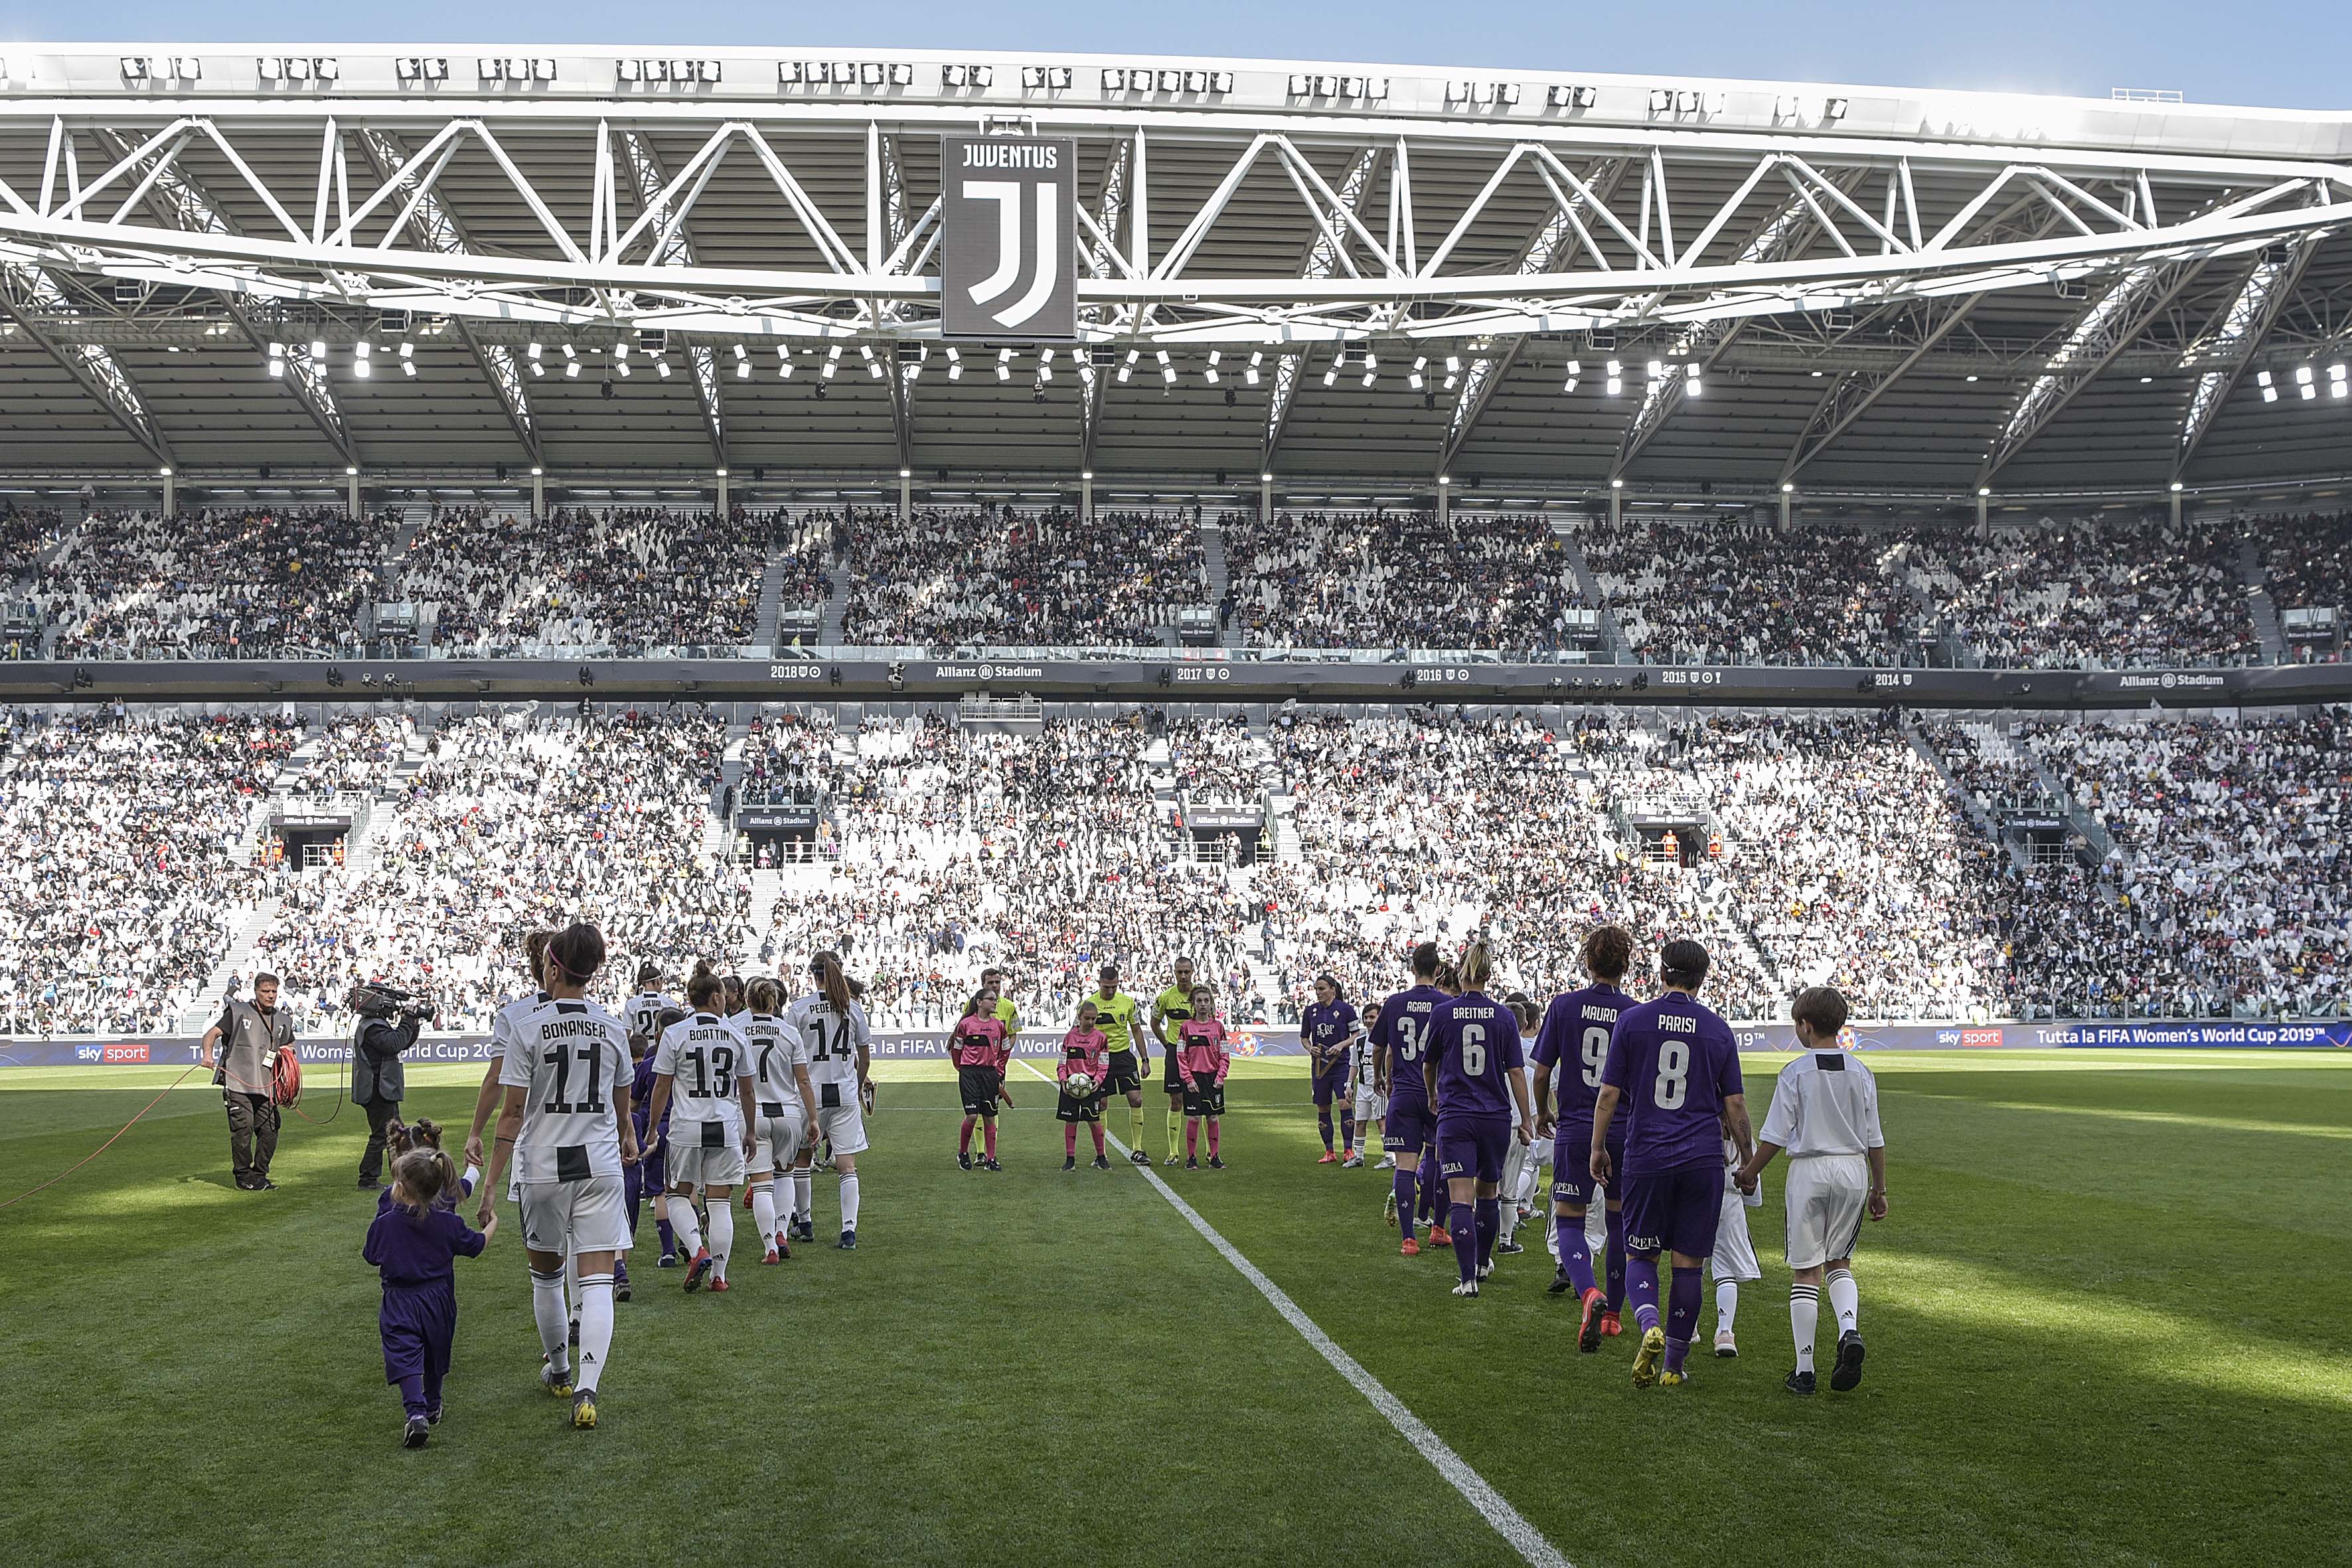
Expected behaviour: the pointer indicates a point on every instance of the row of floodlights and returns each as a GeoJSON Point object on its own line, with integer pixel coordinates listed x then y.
{"type": "Point", "coordinates": [2306, 383]}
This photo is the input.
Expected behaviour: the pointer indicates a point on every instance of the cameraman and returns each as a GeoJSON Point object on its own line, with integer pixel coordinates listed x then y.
{"type": "Point", "coordinates": [387, 1026]}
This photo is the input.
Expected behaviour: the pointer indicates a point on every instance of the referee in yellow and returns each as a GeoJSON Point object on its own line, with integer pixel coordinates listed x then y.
{"type": "Point", "coordinates": [1170, 1008]}
{"type": "Point", "coordinates": [1131, 1058]}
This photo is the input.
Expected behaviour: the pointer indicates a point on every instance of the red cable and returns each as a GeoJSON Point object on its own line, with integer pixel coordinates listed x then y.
{"type": "Point", "coordinates": [109, 1143]}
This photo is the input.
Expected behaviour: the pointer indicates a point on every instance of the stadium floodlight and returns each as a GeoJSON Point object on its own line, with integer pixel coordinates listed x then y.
{"type": "Point", "coordinates": [1657, 369]}
{"type": "Point", "coordinates": [361, 364]}
{"type": "Point", "coordinates": [661, 367]}
{"type": "Point", "coordinates": [1126, 371]}
{"type": "Point", "coordinates": [2303, 376]}
{"type": "Point", "coordinates": [955, 76]}
{"type": "Point", "coordinates": [350, 470]}
{"type": "Point", "coordinates": [628, 70]}
{"type": "Point", "coordinates": [1210, 373]}
{"type": "Point", "coordinates": [134, 68]}
{"type": "Point", "coordinates": [788, 73]}
{"type": "Point", "coordinates": [1788, 488]}
{"type": "Point", "coordinates": [902, 75]}
{"type": "Point", "coordinates": [1115, 80]}
{"type": "Point", "coordinates": [1444, 480]}
{"type": "Point", "coordinates": [408, 366]}
{"type": "Point", "coordinates": [1661, 100]}
{"type": "Point", "coordinates": [1331, 376]}
{"type": "Point", "coordinates": [1249, 373]}
{"type": "Point", "coordinates": [1453, 364]}
{"type": "Point", "coordinates": [1169, 81]}
{"type": "Point", "coordinates": [1972, 375]}
{"type": "Point", "coordinates": [1616, 368]}
{"type": "Point", "coordinates": [186, 68]}
{"type": "Point", "coordinates": [1834, 109]}
{"type": "Point", "coordinates": [537, 369]}
{"type": "Point", "coordinates": [622, 370]}
{"type": "Point", "coordinates": [1266, 478]}
{"type": "Point", "coordinates": [571, 353]}
{"type": "Point", "coordinates": [2176, 487]}
{"type": "Point", "coordinates": [1982, 493]}
{"type": "Point", "coordinates": [534, 350]}
{"type": "Point", "coordinates": [571, 370]}
{"type": "Point", "coordinates": [1691, 387]}
{"type": "Point", "coordinates": [1616, 484]}
{"type": "Point", "coordinates": [783, 363]}
{"type": "Point", "coordinates": [1616, 386]}
{"type": "Point", "coordinates": [318, 348]}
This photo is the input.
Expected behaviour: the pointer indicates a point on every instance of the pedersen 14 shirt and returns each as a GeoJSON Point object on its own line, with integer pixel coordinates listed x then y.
{"type": "Point", "coordinates": [1675, 1062]}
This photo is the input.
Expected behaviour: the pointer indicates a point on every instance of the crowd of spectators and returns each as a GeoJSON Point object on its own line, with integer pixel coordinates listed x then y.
{"type": "Point", "coordinates": [2229, 862]}
{"type": "Point", "coordinates": [1396, 580]}
{"type": "Point", "coordinates": [122, 855]}
{"type": "Point", "coordinates": [283, 581]}
{"type": "Point", "coordinates": [960, 576]}
{"type": "Point", "coordinates": [511, 823]}
{"type": "Point", "coordinates": [2307, 560]}
{"type": "Point", "coordinates": [2098, 595]}
{"type": "Point", "coordinates": [1989, 767]}
{"type": "Point", "coordinates": [1731, 590]}
{"type": "Point", "coordinates": [622, 580]}
{"type": "Point", "coordinates": [1820, 849]}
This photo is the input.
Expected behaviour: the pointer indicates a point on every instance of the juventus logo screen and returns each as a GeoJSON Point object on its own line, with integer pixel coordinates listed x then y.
{"type": "Point", "coordinates": [1008, 264]}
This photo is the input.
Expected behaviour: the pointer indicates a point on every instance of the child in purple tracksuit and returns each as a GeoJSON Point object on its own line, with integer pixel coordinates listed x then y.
{"type": "Point", "coordinates": [414, 1243]}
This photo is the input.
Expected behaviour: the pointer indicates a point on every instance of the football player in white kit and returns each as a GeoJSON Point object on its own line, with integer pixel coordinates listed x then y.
{"type": "Point", "coordinates": [705, 1062]}
{"type": "Point", "coordinates": [642, 1013]}
{"type": "Point", "coordinates": [1733, 1263]}
{"type": "Point", "coordinates": [492, 1094]}
{"type": "Point", "coordinates": [840, 1054]}
{"type": "Point", "coordinates": [1825, 1114]}
{"type": "Point", "coordinates": [1370, 1103]}
{"type": "Point", "coordinates": [787, 1101]}
{"type": "Point", "coordinates": [565, 1124]}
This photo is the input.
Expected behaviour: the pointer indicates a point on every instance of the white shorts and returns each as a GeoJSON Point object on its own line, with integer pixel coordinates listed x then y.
{"type": "Point", "coordinates": [779, 1141]}
{"type": "Point", "coordinates": [572, 1218]}
{"type": "Point", "coordinates": [1826, 1193]}
{"type": "Point", "coordinates": [1370, 1103]}
{"type": "Point", "coordinates": [701, 1167]}
{"type": "Point", "coordinates": [843, 1127]}
{"type": "Point", "coordinates": [1735, 1255]}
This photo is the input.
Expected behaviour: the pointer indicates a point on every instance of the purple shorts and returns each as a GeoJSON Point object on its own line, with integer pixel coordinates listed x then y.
{"type": "Point", "coordinates": [1675, 1211]}
{"type": "Point", "coordinates": [1331, 1083]}
{"type": "Point", "coordinates": [1408, 1127]}
{"type": "Point", "coordinates": [1474, 1148]}
{"type": "Point", "coordinates": [1571, 1162]}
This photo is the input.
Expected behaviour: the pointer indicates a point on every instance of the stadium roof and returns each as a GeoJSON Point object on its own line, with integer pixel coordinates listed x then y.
{"type": "Point", "coordinates": [1402, 272]}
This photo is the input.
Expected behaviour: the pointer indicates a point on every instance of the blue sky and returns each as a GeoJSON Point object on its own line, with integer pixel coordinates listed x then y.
{"type": "Point", "coordinates": [2290, 53]}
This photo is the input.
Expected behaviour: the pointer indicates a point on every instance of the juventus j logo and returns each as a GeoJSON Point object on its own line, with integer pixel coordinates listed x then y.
{"type": "Point", "coordinates": [1012, 254]}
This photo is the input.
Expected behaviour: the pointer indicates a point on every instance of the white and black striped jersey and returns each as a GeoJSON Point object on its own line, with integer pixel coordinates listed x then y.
{"type": "Point", "coordinates": [834, 1042]}
{"type": "Point", "coordinates": [777, 1049]}
{"type": "Point", "coordinates": [501, 1033]}
{"type": "Point", "coordinates": [571, 1060]}
{"type": "Point", "coordinates": [642, 1013]}
{"type": "Point", "coordinates": [704, 1054]}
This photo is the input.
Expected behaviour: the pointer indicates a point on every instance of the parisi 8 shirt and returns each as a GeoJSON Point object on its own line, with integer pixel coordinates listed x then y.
{"type": "Point", "coordinates": [1675, 1062]}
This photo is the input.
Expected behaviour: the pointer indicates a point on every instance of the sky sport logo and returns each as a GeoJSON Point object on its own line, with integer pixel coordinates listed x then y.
{"type": "Point", "coordinates": [1009, 259]}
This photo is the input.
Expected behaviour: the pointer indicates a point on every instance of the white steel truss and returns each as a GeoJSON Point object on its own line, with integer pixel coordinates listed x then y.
{"type": "Point", "coordinates": [1892, 217]}
{"type": "Point", "coordinates": [673, 250]}
{"type": "Point", "coordinates": [2268, 286]}
{"type": "Point", "coordinates": [436, 226]}
{"type": "Point", "coordinates": [28, 294]}
{"type": "Point", "coordinates": [178, 205]}
{"type": "Point", "coordinates": [1327, 252]}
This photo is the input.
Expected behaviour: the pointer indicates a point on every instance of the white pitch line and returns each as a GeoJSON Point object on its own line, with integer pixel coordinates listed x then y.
{"type": "Point", "coordinates": [1507, 1521]}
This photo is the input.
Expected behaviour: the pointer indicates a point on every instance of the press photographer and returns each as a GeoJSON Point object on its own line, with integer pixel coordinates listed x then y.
{"type": "Point", "coordinates": [388, 1021]}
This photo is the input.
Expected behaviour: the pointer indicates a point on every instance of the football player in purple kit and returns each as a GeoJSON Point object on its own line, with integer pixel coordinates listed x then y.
{"type": "Point", "coordinates": [1575, 1035]}
{"type": "Point", "coordinates": [1477, 1076]}
{"type": "Point", "coordinates": [1399, 1042]}
{"type": "Point", "coordinates": [1328, 1028]}
{"type": "Point", "coordinates": [1675, 1067]}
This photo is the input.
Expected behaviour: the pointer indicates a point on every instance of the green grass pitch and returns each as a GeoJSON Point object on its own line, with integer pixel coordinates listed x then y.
{"type": "Point", "coordinates": [2107, 1321]}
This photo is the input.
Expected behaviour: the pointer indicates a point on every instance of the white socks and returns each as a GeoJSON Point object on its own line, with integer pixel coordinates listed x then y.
{"type": "Point", "coordinates": [849, 1201]}
{"type": "Point", "coordinates": [803, 1180]}
{"type": "Point", "coordinates": [722, 1235]}
{"type": "Point", "coordinates": [1804, 1316]}
{"type": "Point", "coordinates": [547, 1310]}
{"type": "Point", "coordinates": [764, 1215]}
{"type": "Point", "coordinates": [682, 1222]}
{"type": "Point", "coordinates": [1727, 1304]}
{"type": "Point", "coordinates": [595, 1329]}
{"type": "Point", "coordinates": [1845, 1300]}
{"type": "Point", "coordinates": [571, 1288]}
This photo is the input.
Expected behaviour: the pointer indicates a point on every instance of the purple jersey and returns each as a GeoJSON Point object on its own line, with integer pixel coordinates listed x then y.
{"type": "Point", "coordinates": [1575, 1035]}
{"type": "Point", "coordinates": [1675, 1063]}
{"type": "Point", "coordinates": [1403, 1033]}
{"type": "Point", "coordinates": [1474, 1041]}
{"type": "Point", "coordinates": [1325, 1032]}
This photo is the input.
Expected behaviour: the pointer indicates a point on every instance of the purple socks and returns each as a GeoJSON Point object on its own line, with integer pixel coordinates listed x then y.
{"type": "Point", "coordinates": [1641, 1290]}
{"type": "Point", "coordinates": [1682, 1315]}
{"type": "Point", "coordinates": [1403, 1181]}
{"type": "Point", "coordinates": [1466, 1241]}
{"type": "Point", "coordinates": [1323, 1125]}
{"type": "Point", "coordinates": [1347, 1131]}
{"type": "Point", "coordinates": [1489, 1215]}
{"type": "Point", "coordinates": [1575, 1257]}
{"type": "Point", "coordinates": [1613, 1258]}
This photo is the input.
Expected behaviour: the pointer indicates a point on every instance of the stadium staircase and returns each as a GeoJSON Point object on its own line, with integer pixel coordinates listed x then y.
{"type": "Point", "coordinates": [1219, 573]}
{"type": "Point", "coordinates": [1989, 743]}
{"type": "Point", "coordinates": [2260, 606]}
{"type": "Point", "coordinates": [1613, 636]}
{"type": "Point", "coordinates": [767, 891]}
{"type": "Point", "coordinates": [2077, 815]}
{"type": "Point", "coordinates": [772, 600]}
{"type": "Point", "coordinates": [836, 606]}
{"type": "Point", "coordinates": [201, 1014]}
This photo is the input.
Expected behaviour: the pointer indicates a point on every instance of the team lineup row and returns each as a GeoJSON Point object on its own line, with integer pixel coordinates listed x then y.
{"type": "Point", "coordinates": [595, 1111]}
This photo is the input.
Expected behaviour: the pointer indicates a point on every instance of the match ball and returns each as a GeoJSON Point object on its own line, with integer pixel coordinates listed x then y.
{"type": "Point", "coordinates": [1079, 1086]}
